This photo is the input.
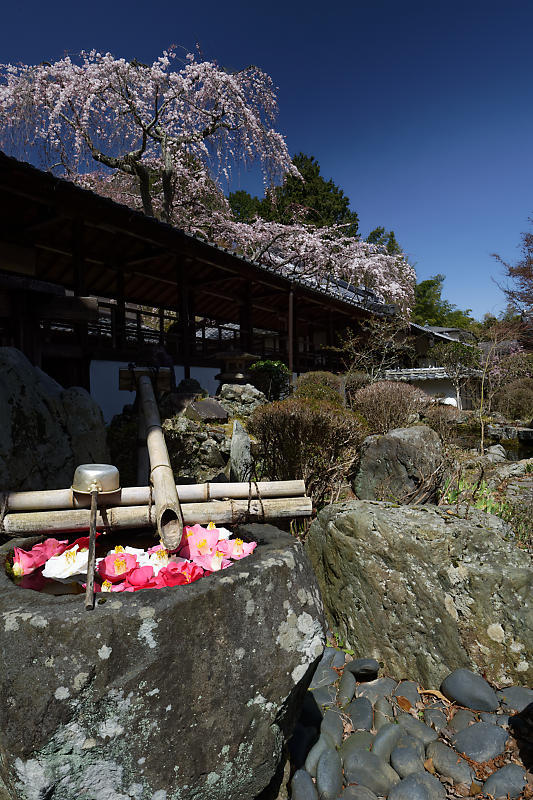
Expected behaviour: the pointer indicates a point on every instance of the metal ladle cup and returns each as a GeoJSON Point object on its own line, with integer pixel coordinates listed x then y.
{"type": "Point", "coordinates": [94, 479]}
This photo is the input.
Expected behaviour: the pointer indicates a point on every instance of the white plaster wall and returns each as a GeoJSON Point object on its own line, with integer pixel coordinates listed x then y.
{"type": "Point", "coordinates": [441, 388]}
{"type": "Point", "coordinates": [105, 391]}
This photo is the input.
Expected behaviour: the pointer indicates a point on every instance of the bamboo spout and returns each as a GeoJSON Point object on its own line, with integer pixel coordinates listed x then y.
{"type": "Point", "coordinates": [169, 518]}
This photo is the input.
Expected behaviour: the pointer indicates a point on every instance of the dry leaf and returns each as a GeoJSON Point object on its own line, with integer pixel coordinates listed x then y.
{"type": "Point", "coordinates": [435, 693]}
{"type": "Point", "coordinates": [462, 790]}
{"type": "Point", "coordinates": [428, 764]}
{"type": "Point", "coordinates": [403, 702]}
{"type": "Point", "coordinates": [475, 788]}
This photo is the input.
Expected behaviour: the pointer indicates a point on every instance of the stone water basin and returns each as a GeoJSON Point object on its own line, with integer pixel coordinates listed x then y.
{"type": "Point", "coordinates": [188, 692]}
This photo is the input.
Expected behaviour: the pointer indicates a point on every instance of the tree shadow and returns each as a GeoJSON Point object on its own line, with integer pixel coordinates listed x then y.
{"type": "Point", "coordinates": [521, 727]}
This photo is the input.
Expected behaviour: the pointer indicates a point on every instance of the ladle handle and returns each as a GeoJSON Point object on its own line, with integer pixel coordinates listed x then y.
{"type": "Point", "coordinates": [89, 590]}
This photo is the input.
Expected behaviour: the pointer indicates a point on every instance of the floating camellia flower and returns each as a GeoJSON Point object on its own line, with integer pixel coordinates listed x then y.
{"type": "Point", "coordinates": [236, 548]}
{"type": "Point", "coordinates": [25, 561]}
{"type": "Point", "coordinates": [116, 566]}
{"type": "Point", "coordinates": [71, 562]}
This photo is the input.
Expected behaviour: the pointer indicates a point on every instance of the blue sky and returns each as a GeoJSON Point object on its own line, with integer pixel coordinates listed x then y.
{"type": "Point", "coordinates": [421, 110]}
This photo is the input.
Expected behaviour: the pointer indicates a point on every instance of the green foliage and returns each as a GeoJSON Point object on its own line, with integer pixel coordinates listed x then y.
{"type": "Point", "coordinates": [271, 377]}
{"type": "Point", "coordinates": [309, 439]}
{"type": "Point", "coordinates": [515, 401]}
{"type": "Point", "coordinates": [245, 208]}
{"type": "Point", "coordinates": [324, 386]}
{"type": "Point", "coordinates": [431, 309]}
{"type": "Point", "coordinates": [389, 404]}
{"type": "Point", "coordinates": [386, 239]}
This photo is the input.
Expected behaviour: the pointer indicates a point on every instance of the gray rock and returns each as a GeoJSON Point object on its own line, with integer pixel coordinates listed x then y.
{"type": "Point", "coordinates": [496, 454]}
{"type": "Point", "coordinates": [383, 713]}
{"type": "Point", "coordinates": [46, 431]}
{"type": "Point", "coordinates": [495, 719]}
{"type": "Point", "coordinates": [386, 740]}
{"type": "Point", "coordinates": [509, 781]}
{"type": "Point", "coordinates": [325, 742]}
{"type": "Point", "coordinates": [420, 786]}
{"type": "Point", "coordinates": [327, 657]}
{"type": "Point", "coordinates": [393, 466]}
{"type": "Point", "coordinates": [346, 689]}
{"type": "Point", "coordinates": [302, 786]}
{"type": "Point", "coordinates": [381, 687]}
{"type": "Point", "coordinates": [428, 581]}
{"type": "Point", "coordinates": [417, 728]}
{"type": "Point", "coordinates": [364, 669]}
{"type": "Point", "coordinates": [409, 690]}
{"type": "Point", "coordinates": [206, 410]}
{"type": "Point", "coordinates": [240, 401]}
{"type": "Point", "coordinates": [338, 659]}
{"type": "Point", "coordinates": [361, 713]}
{"type": "Point", "coordinates": [516, 698]}
{"type": "Point", "coordinates": [324, 676]}
{"type": "Point", "coordinates": [370, 771]}
{"type": "Point", "coordinates": [329, 777]}
{"type": "Point", "coordinates": [408, 757]}
{"type": "Point", "coordinates": [360, 740]}
{"type": "Point", "coordinates": [325, 696]}
{"type": "Point", "coordinates": [103, 683]}
{"type": "Point", "coordinates": [240, 456]}
{"type": "Point", "coordinates": [469, 689]}
{"type": "Point", "coordinates": [332, 724]}
{"type": "Point", "coordinates": [357, 793]}
{"type": "Point", "coordinates": [461, 720]}
{"type": "Point", "coordinates": [435, 718]}
{"type": "Point", "coordinates": [481, 741]}
{"type": "Point", "coordinates": [448, 763]}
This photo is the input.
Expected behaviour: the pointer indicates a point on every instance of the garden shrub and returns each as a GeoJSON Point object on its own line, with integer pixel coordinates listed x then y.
{"type": "Point", "coordinates": [389, 404]}
{"type": "Point", "coordinates": [271, 377]}
{"type": "Point", "coordinates": [515, 401]}
{"type": "Point", "coordinates": [443, 419]}
{"type": "Point", "coordinates": [309, 439]}
{"type": "Point", "coordinates": [353, 381]}
{"type": "Point", "coordinates": [321, 386]}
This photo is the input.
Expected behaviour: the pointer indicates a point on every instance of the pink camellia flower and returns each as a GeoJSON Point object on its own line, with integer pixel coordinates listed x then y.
{"type": "Point", "coordinates": [191, 571]}
{"type": "Point", "coordinates": [141, 578]}
{"type": "Point", "coordinates": [236, 548]}
{"type": "Point", "coordinates": [116, 566]}
{"type": "Point", "coordinates": [25, 561]}
{"type": "Point", "coordinates": [107, 586]}
{"type": "Point", "coordinates": [198, 542]}
{"type": "Point", "coordinates": [171, 575]}
{"type": "Point", "coordinates": [212, 562]}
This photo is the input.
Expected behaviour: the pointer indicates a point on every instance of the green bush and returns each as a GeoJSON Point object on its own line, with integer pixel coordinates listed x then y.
{"type": "Point", "coordinates": [389, 404]}
{"type": "Point", "coordinates": [309, 439]}
{"type": "Point", "coordinates": [322, 386]}
{"type": "Point", "coordinates": [271, 377]}
{"type": "Point", "coordinates": [515, 401]}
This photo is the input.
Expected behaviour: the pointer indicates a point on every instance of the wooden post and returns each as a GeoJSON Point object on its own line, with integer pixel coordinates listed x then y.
{"type": "Point", "coordinates": [290, 333]}
{"type": "Point", "coordinates": [169, 518]}
{"type": "Point", "coordinates": [183, 306]}
{"type": "Point", "coordinates": [245, 319]}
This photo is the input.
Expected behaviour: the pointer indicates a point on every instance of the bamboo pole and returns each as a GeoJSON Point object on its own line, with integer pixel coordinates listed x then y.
{"type": "Point", "coordinates": [221, 512]}
{"type": "Point", "coordinates": [57, 499]}
{"type": "Point", "coordinates": [91, 558]}
{"type": "Point", "coordinates": [168, 514]}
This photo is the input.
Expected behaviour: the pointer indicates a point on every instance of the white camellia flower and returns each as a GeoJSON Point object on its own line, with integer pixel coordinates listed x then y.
{"type": "Point", "coordinates": [71, 562]}
{"type": "Point", "coordinates": [223, 533]}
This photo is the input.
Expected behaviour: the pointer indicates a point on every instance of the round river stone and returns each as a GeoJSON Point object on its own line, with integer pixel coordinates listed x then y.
{"type": "Point", "coordinates": [357, 793]}
{"type": "Point", "coordinates": [370, 771]}
{"type": "Point", "coordinates": [346, 689]}
{"type": "Point", "coordinates": [329, 778]}
{"type": "Point", "coordinates": [509, 781]}
{"type": "Point", "coordinates": [364, 669]}
{"type": "Point", "coordinates": [332, 725]}
{"type": "Point", "coordinates": [421, 786]}
{"type": "Point", "coordinates": [381, 687]}
{"type": "Point", "coordinates": [469, 689]}
{"type": "Point", "coordinates": [448, 763]}
{"type": "Point", "coordinates": [481, 741]}
{"type": "Point", "coordinates": [516, 698]}
{"type": "Point", "coordinates": [302, 786]}
{"type": "Point", "coordinates": [361, 713]}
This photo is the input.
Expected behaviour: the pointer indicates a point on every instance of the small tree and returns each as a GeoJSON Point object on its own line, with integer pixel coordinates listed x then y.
{"type": "Point", "coordinates": [382, 343]}
{"type": "Point", "coordinates": [459, 360]}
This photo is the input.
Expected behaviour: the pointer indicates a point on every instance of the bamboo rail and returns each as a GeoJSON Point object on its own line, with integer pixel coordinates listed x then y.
{"type": "Point", "coordinates": [220, 512]}
{"type": "Point", "coordinates": [63, 499]}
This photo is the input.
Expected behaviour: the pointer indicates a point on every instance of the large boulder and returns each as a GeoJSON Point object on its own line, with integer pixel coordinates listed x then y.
{"type": "Point", "coordinates": [189, 692]}
{"type": "Point", "coordinates": [45, 430]}
{"type": "Point", "coordinates": [425, 591]}
{"type": "Point", "coordinates": [395, 465]}
{"type": "Point", "coordinates": [240, 401]}
{"type": "Point", "coordinates": [198, 452]}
